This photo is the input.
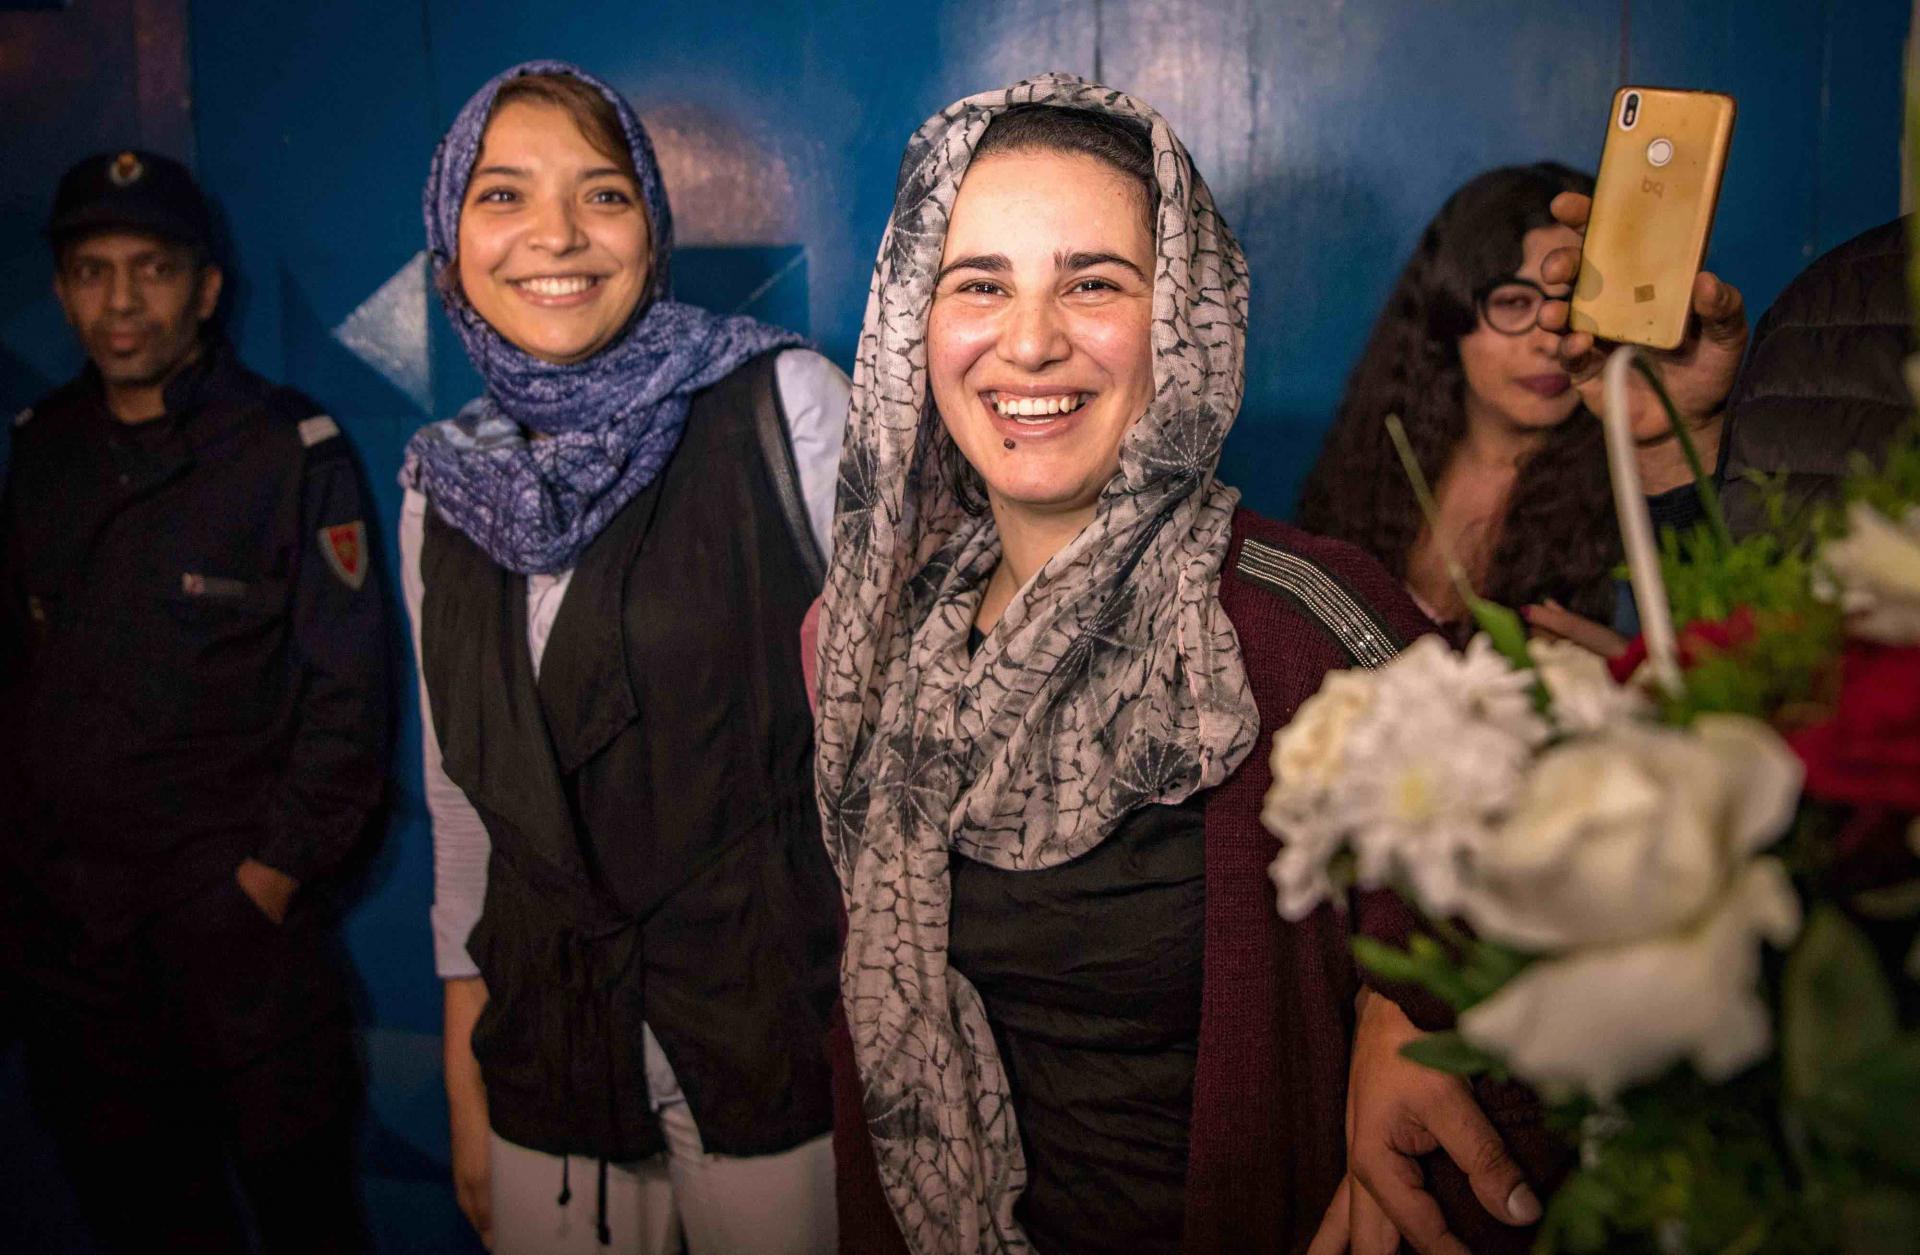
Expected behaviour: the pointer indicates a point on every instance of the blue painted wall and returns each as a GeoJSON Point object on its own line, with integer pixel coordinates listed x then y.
{"type": "Point", "coordinates": [1330, 133]}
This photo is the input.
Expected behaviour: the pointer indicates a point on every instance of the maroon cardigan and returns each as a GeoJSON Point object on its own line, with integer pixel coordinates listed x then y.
{"type": "Point", "coordinates": [1267, 1143]}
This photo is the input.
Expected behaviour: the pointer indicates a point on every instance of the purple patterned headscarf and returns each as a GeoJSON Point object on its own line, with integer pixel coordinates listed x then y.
{"type": "Point", "coordinates": [611, 422]}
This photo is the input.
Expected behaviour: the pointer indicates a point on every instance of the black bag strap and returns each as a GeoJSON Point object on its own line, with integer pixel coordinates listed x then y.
{"type": "Point", "coordinates": [776, 450]}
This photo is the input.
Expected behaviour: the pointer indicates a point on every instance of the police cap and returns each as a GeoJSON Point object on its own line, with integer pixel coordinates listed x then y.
{"type": "Point", "coordinates": [130, 190]}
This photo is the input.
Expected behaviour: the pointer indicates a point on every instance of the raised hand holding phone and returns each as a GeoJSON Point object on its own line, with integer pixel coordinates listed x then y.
{"type": "Point", "coordinates": [1698, 374]}
{"type": "Point", "coordinates": [1637, 276]}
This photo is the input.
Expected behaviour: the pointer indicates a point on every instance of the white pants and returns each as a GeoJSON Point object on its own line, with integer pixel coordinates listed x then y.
{"type": "Point", "coordinates": [685, 1199]}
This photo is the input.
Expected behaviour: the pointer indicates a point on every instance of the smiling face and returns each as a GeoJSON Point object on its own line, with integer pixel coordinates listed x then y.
{"type": "Point", "coordinates": [1038, 347]}
{"type": "Point", "coordinates": [554, 247]}
{"type": "Point", "coordinates": [1515, 380]}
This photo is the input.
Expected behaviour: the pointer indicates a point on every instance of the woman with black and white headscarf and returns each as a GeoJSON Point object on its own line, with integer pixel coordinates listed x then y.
{"type": "Point", "coordinates": [1050, 646]}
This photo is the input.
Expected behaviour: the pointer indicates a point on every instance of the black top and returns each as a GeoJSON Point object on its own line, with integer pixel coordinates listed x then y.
{"type": "Point", "coordinates": [1090, 972]}
{"type": "Point", "coordinates": [191, 670]}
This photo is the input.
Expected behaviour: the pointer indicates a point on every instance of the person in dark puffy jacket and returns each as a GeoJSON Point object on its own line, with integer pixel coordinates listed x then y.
{"type": "Point", "coordinates": [1826, 376]}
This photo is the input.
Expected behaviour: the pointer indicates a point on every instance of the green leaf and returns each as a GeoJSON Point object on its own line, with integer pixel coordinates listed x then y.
{"type": "Point", "coordinates": [1489, 967]}
{"type": "Point", "coordinates": [1386, 962]}
{"type": "Point", "coordinates": [1425, 963]}
{"type": "Point", "coordinates": [1836, 1005]}
{"type": "Point", "coordinates": [1702, 482]}
{"type": "Point", "coordinates": [1889, 483]}
{"type": "Point", "coordinates": [1504, 628]}
{"type": "Point", "coordinates": [1869, 1108]}
{"type": "Point", "coordinates": [1451, 1053]}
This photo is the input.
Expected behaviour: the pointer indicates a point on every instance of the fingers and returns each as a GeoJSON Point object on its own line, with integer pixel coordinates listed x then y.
{"type": "Point", "coordinates": [1578, 356]}
{"type": "Point", "coordinates": [1571, 209]}
{"type": "Point", "coordinates": [1553, 619]}
{"type": "Point", "coordinates": [1472, 1142]}
{"type": "Point", "coordinates": [1562, 265]}
{"type": "Point", "coordinates": [1371, 1233]}
{"type": "Point", "coordinates": [475, 1197]}
{"type": "Point", "coordinates": [1721, 309]}
{"type": "Point", "coordinates": [1331, 1237]}
{"type": "Point", "coordinates": [1396, 1186]}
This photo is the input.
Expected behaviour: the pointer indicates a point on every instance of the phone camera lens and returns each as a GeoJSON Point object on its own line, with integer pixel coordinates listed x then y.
{"type": "Point", "coordinates": [1630, 111]}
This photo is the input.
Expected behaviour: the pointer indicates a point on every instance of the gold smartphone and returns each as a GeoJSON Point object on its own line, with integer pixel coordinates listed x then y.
{"type": "Point", "coordinates": [1652, 212]}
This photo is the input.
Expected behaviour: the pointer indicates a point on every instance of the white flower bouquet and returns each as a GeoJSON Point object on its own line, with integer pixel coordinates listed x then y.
{"type": "Point", "coordinates": [1643, 898]}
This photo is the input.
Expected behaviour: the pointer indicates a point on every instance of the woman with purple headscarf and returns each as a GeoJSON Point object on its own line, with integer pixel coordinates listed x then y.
{"type": "Point", "coordinates": [607, 557]}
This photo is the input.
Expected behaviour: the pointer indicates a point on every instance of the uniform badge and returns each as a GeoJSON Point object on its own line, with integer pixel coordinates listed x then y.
{"type": "Point", "coordinates": [345, 547]}
{"type": "Point", "coordinates": [125, 170]}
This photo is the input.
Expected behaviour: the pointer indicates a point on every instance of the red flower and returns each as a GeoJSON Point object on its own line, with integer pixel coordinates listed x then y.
{"type": "Point", "coordinates": [1867, 752]}
{"type": "Point", "coordinates": [1703, 636]}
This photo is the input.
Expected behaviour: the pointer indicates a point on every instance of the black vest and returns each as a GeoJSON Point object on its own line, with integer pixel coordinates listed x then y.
{"type": "Point", "coordinates": [656, 852]}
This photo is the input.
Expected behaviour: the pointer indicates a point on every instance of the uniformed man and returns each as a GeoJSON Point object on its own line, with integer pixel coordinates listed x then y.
{"type": "Point", "coordinates": [194, 675]}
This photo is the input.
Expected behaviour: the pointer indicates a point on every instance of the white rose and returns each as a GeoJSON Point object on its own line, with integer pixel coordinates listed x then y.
{"type": "Point", "coordinates": [1632, 832]}
{"type": "Point", "coordinates": [1876, 566]}
{"type": "Point", "coordinates": [1309, 752]}
{"type": "Point", "coordinates": [1602, 1019]}
{"type": "Point", "coordinates": [1585, 696]}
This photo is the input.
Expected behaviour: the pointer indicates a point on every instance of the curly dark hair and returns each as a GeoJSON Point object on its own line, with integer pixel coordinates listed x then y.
{"type": "Point", "coordinates": [1558, 538]}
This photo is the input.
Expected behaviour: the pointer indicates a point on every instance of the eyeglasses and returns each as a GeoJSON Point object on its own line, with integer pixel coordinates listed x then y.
{"type": "Point", "coordinates": [1512, 306]}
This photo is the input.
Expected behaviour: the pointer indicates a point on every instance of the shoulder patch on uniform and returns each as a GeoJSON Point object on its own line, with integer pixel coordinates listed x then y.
{"type": "Point", "coordinates": [1365, 637]}
{"type": "Point", "coordinates": [319, 427]}
{"type": "Point", "coordinates": [344, 546]}
{"type": "Point", "coordinates": [21, 419]}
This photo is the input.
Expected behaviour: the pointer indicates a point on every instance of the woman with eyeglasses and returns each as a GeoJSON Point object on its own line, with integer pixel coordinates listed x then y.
{"type": "Point", "coordinates": [1472, 352]}
{"type": "Point", "coordinates": [1459, 353]}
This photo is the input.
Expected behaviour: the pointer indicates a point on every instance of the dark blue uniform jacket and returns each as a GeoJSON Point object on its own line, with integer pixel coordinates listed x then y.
{"type": "Point", "coordinates": [193, 663]}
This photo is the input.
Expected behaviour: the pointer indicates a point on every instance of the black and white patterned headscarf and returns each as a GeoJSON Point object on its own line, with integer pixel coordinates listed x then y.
{"type": "Point", "coordinates": [1113, 681]}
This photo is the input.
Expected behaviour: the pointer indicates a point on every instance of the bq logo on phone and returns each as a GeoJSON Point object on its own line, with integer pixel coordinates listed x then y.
{"type": "Point", "coordinates": [1650, 185]}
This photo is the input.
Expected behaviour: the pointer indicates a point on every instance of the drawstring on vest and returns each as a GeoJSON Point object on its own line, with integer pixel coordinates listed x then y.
{"type": "Point", "coordinates": [600, 1225]}
{"type": "Point", "coordinates": [580, 973]}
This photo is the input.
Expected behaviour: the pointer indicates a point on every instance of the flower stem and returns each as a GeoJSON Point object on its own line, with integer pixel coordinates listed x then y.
{"type": "Point", "coordinates": [1502, 626]}
{"type": "Point", "coordinates": [1423, 493]}
{"type": "Point", "coordinates": [1702, 482]}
